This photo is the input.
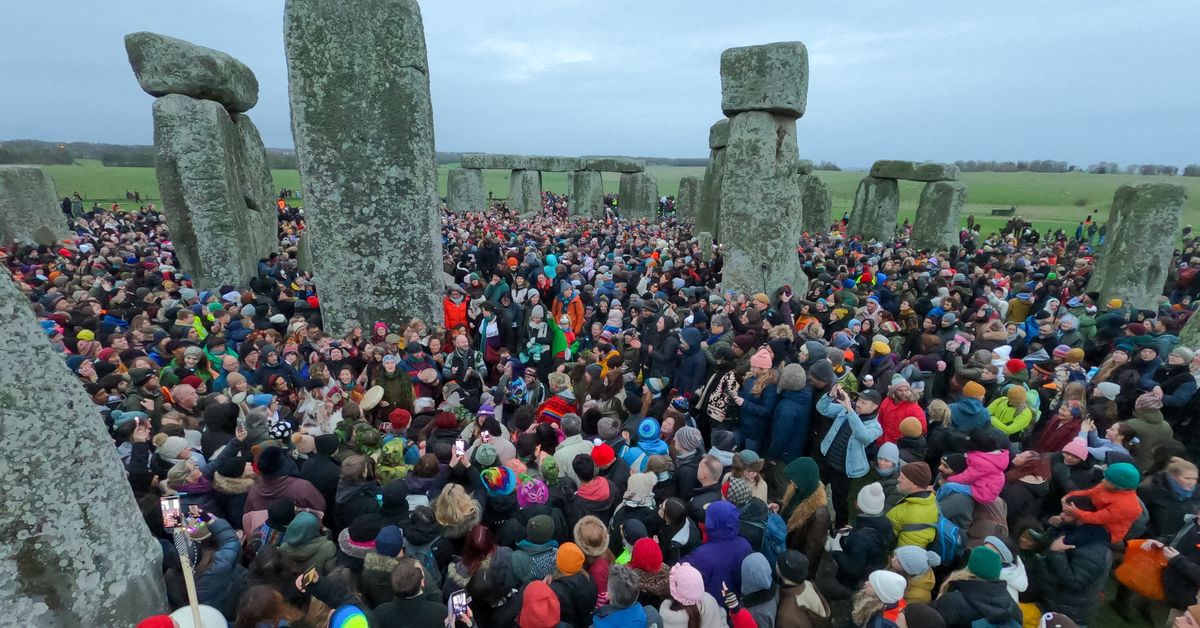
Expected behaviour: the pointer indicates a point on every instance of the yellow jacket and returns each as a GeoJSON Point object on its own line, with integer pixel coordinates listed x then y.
{"type": "Point", "coordinates": [914, 519]}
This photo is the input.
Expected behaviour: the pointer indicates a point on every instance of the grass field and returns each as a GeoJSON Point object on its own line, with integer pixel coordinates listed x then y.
{"type": "Point", "coordinates": [1046, 199]}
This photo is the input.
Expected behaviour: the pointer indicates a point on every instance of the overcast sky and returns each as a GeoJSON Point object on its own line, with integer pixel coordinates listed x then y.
{"type": "Point", "coordinates": [1079, 81]}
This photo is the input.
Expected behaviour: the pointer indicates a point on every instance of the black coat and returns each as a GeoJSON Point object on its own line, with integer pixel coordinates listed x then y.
{"type": "Point", "coordinates": [1165, 508]}
{"type": "Point", "coordinates": [1024, 501]}
{"type": "Point", "coordinates": [686, 483]}
{"type": "Point", "coordinates": [513, 530]}
{"type": "Point", "coordinates": [969, 600]}
{"type": "Point", "coordinates": [578, 508]}
{"type": "Point", "coordinates": [576, 598]}
{"type": "Point", "coordinates": [354, 500]}
{"type": "Point", "coordinates": [1070, 582]}
{"type": "Point", "coordinates": [701, 498]}
{"type": "Point", "coordinates": [1181, 577]}
{"type": "Point", "coordinates": [323, 473]}
{"type": "Point", "coordinates": [413, 611]}
{"type": "Point", "coordinates": [864, 549]}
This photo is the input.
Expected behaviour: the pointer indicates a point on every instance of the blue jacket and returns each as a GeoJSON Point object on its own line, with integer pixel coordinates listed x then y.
{"type": "Point", "coordinates": [757, 412]}
{"type": "Point", "coordinates": [719, 559]}
{"type": "Point", "coordinates": [220, 586]}
{"type": "Point", "coordinates": [969, 413]}
{"type": "Point", "coordinates": [862, 434]}
{"type": "Point", "coordinates": [689, 375]}
{"type": "Point", "coordinates": [629, 617]}
{"type": "Point", "coordinates": [789, 432]}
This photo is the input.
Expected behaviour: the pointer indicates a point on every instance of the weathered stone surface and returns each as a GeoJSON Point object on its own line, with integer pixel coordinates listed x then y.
{"type": "Point", "coordinates": [29, 210]}
{"type": "Point", "coordinates": [216, 189]}
{"type": "Point", "coordinates": [1142, 226]}
{"type": "Point", "coordinates": [939, 215]}
{"type": "Point", "coordinates": [804, 166]}
{"type": "Point", "coordinates": [817, 204]}
{"type": "Point", "coordinates": [760, 205]}
{"type": "Point", "coordinates": [914, 171]}
{"type": "Point", "coordinates": [363, 125]}
{"type": "Point", "coordinates": [586, 194]}
{"type": "Point", "coordinates": [525, 192]}
{"type": "Point", "coordinates": [639, 195]}
{"type": "Point", "coordinates": [614, 164]}
{"type": "Point", "coordinates": [718, 134]}
{"type": "Point", "coordinates": [876, 203]}
{"type": "Point", "coordinates": [464, 190]}
{"type": "Point", "coordinates": [75, 550]}
{"type": "Point", "coordinates": [771, 77]}
{"type": "Point", "coordinates": [704, 240]}
{"type": "Point", "coordinates": [1189, 336]}
{"type": "Point", "coordinates": [554, 164]}
{"type": "Point", "coordinates": [494, 161]}
{"type": "Point", "coordinates": [708, 216]}
{"type": "Point", "coordinates": [304, 259]}
{"type": "Point", "coordinates": [166, 65]}
{"type": "Point", "coordinates": [687, 201]}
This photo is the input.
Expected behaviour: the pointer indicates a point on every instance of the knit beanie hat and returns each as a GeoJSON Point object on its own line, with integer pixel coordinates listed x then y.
{"type": "Point", "coordinates": [1016, 395]}
{"type": "Point", "coordinates": [1077, 447]}
{"type": "Point", "coordinates": [911, 426]}
{"type": "Point", "coordinates": [918, 473]}
{"type": "Point", "coordinates": [171, 448]}
{"type": "Point", "coordinates": [608, 428]}
{"type": "Point", "coordinates": [1108, 390]}
{"type": "Point", "coordinates": [1014, 366]}
{"type": "Point", "coordinates": [540, 529]}
{"type": "Point", "coordinates": [656, 385]}
{"type": "Point", "coordinates": [738, 492]}
{"type": "Point", "coordinates": [1006, 555]}
{"type": "Point", "coordinates": [646, 555]}
{"type": "Point", "coordinates": [389, 541]}
{"type": "Point", "coordinates": [915, 560]}
{"type": "Point", "coordinates": [305, 443]}
{"type": "Point", "coordinates": [956, 462]}
{"type": "Point", "coordinates": [569, 559]}
{"type": "Point", "coordinates": [498, 481]}
{"type": "Point", "coordinates": [880, 348]}
{"type": "Point", "coordinates": [822, 371]}
{"type": "Point", "coordinates": [889, 586]}
{"type": "Point", "coordinates": [687, 585]}
{"type": "Point", "coordinates": [603, 455]}
{"type": "Point", "coordinates": [485, 456]}
{"type": "Point", "coordinates": [539, 606]}
{"type": "Point", "coordinates": [1058, 620]}
{"type": "Point", "coordinates": [870, 499]}
{"type": "Point", "coordinates": [793, 565]}
{"type": "Point", "coordinates": [532, 491]}
{"type": "Point", "coordinates": [984, 563]}
{"type": "Point", "coordinates": [762, 359]}
{"type": "Point", "coordinates": [923, 615]}
{"type": "Point", "coordinates": [974, 389]}
{"type": "Point", "coordinates": [688, 438]}
{"type": "Point", "coordinates": [640, 486]}
{"type": "Point", "coordinates": [1123, 475]}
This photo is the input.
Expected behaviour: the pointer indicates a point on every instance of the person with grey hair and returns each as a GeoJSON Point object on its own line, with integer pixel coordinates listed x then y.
{"type": "Point", "coordinates": [571, 446]}
{"type": "Point", "coordinates": [622, 608]}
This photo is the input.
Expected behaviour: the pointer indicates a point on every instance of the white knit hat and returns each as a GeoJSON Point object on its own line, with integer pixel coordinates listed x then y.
{"type": "Point", "coordinates": [889, 586]}
{"type": "Point", "coordinates": [871, 499]}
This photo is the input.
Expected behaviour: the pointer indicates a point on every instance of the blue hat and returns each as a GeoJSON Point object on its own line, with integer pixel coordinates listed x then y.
{"type": "Point", "coordinates": [389, 541]}
{"type": "Point", "coordinates": [260, 399]}
{"type": "Point", "coordinates": [649, 429]}
{"type": "Point", "coordinates": [120, 417]}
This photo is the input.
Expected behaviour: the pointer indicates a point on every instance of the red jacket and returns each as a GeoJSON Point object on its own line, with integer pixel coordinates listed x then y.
{"type": "Point", "coordinates": [455, 314]}
{"type": "Point", "coordinates": [892, 412]}
{"type": "Point", "coordinates": [1115, 510]}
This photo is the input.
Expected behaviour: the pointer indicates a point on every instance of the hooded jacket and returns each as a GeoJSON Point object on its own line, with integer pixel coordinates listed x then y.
{"type": "Point", "coordinates": [919, 508]}
{"type": "Point", "coordinates": [353, 500]}
{"type": "Point", "coordinates": [757, 411]}
{"type": "Point", "coordinates": [689, 377]}
{"type": "Point", "coordinates": [1151, 431]}
{"type": "Point", "coordinates": [984, 474]}
{"type": "Point", "coordinates": [864, 549]}
{"type": "Point", "coordinates": [760, 593]}
{"type": "Point", "coordinates": [307, 548]}
{"type": "Point", "coordinates": [969, 413]}
{"type": "Point", "coordinates": [1070, 582]}
{"type": "Point", "coordinates": [267, 490]}
{"type": "Point", "coordinates": [793, 411]}
{"type": "Point", "coordinates": [967, 601]}
{"type": "Point", "coordinates": [719, 559]}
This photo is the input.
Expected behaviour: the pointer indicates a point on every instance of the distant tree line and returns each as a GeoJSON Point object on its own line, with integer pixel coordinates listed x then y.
{"type": "Point", "coordinates": [827, 165]}
{"type": "Point", "coordinates": [130, 155]}
{"type": "Point", "coordinates": [1036, 165]}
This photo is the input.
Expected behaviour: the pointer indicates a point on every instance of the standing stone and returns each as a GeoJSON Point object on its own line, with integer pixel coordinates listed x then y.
{"type": "Point", "coordinates": [29, 209]}
{"type": "Point", "coordinates": [718, 134]}
{"type": "Point", "coordinates": [586, 193]}
{"type": "Point", "coordinates": [304, 260]}
{"type": "Point", "coordinates": [75, 550]}
{"type": "Point", "coordinates": [687, 202]}
{"type": "Point", "coordinates": [708, 215]}
{"type": "Point", "coordinates": [1189, 336]}
{"type": "Point", "coordinates": [804, 166]}
{"type": "Point", "coordinates": [363, 124]}
{"type": "Point", "coordinates": [876, 204]}
{"type": "Point", "coordinates": [216, 189]}
{"type": "Point", "coordinates": [939, 215]}
{"type": "Point", "coordinates": [639, 195]}
{"type": "Point", "coordinates": [464, 190]}
{"type": "Point", "coordinates": [704, 240]}
{"type": "Point", "coordinates": [770, 77]}
{"type": "Point", "coordinates": [761, 205]}
{"type": "Point", "coordinates": [166, 65]}
{"type": "Point", "coordinates": [1142, 226]}
{"type": "Point", "coordinates": [817, 204]}
{"type": "Point", "coordinates": [525, 192]}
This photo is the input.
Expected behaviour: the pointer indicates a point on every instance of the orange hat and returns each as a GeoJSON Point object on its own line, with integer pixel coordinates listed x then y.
{"type": "Point", "coordinates": [974, 389]}
{"type": "Point", "coordinates": [911, 426]}
{"type": "Point", "coordinates": [570, 559]}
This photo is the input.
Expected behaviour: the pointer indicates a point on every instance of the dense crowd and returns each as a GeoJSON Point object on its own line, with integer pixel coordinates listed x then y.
{"type": "Point", "coordinates": [598, 435]}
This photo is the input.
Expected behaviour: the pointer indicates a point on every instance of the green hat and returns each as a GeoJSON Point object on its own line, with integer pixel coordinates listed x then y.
{"type": "Point", "coordinates": [984, 563]}
{"type": "Point", "coordinates": [1123, 476]}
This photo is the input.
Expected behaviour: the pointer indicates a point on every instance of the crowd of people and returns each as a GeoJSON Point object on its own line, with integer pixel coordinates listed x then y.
{"type": "Point", "coordinates": [596, 435]}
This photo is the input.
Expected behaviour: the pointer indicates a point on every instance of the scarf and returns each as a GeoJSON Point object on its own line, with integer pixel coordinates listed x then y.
{"type": "Point", "coordinates": [1180, 493]}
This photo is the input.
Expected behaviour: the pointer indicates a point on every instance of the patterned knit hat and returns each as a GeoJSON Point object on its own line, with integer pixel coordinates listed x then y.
{"type": "Point", "coordinates": [738, 492]}
{"type": "Point", "coordinates": [532, 491]}
{"type": "Point", "coordinates": [498, 481]}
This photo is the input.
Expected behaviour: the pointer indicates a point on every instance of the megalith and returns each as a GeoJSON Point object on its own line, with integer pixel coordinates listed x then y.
{"type": "Point", "coordinates": [939, 214]}
{"type": "Point", "coordinates": [1189, 336]}
{"type": "Point", "coordinates": [816, 203]}
{"type": "Point", "coordinates": [74, 550]}
{"type": "Point", "coordinates": [914, 171]}
{"type": "Point", "coordinates": [771, 77]}
{"type": "Point", "coordinates": [586, 193]}
{"type": "Point", "coordinates": [704, 241]}
{"type": "Point", "coordinates": [714, 172]}
{"type": "Point", "coordinates": [638, 195]}
{"type": "Point", "coordinates": [614, 164]}
{"type": "Point", "coordinates": [216, 189]}
{"type": "Point", "coordinates": [876, 204]}
{"type": "Point", "coordinates": [166, 65]}
{"type": "Point", "coordinates": [687, 201]}
{"type": "Point", "coordinates": [1142, 226]}
{"type": "Point", "coordinates": [464, 190]}
{"type": "Point", "coordinates": [718, 134]}
{"type": "Point", "coordinates": [363, 125]}
{"type": "Point", "coordinates": [304, 261]}
{"type": "Point", "coordinates": [29, 209]}
{"type": "Point", "coordinates": [525, 192]}
{"type": "Point", "coordinates": [760, 205]}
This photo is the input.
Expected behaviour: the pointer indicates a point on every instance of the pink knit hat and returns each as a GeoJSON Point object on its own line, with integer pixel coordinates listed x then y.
{"type": "Point", "coordinates": [762, 359]}
{"type": "Point", "coordinates": [532, 491]}
{"type": "Point", "coordinates": [1077, 448]}
{"type": "Point", "coordinates": [687, 585]}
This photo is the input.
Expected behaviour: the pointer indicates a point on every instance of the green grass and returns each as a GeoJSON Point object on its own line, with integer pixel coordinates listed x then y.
{"type": "Point", "coordinates": [1049, 200]}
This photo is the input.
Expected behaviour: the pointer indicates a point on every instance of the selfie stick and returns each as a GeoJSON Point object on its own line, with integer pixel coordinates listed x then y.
{"type": "Point", "coordinates": [181, 544]}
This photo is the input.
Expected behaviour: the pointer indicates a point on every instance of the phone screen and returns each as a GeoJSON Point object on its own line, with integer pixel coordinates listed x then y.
{"type": "Point", "coordinates": [310, 577]}
{"type": "Point", "coordinates": [172, 514]}
{"type": "Point", "coordinates": [458, 603]}
{"type": "Point", "coordinates": [485, 437]}
{"type": "Point", "coordinates": [460, 447]}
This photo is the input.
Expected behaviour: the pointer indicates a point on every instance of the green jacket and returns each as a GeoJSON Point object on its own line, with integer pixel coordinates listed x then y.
{"type": "Point", "coordinates": [1151, 431]}
{"type": "Point", "coordinates": [1006, 418]}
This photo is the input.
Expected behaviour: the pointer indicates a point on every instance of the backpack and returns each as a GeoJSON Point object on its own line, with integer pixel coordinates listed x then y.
{"type": "Point", "coordinates": [947, 540]}
{"type": "Point", "coordinates": [542, 565]}
{"type": "Point", "coordinates": [424, 555]}
{"type": "Point", "coordinates": [774, 536]}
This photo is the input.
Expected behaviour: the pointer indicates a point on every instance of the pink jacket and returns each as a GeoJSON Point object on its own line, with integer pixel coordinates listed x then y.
{"type": "Point", "coordinates": [984, 474]}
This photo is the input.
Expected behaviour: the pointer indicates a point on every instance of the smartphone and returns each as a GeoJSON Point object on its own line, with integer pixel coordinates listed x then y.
{"type": "Point", "coordinates": [241, 421]}
{"type": "Point", "coordinates": [485, 437]}
{"type": "Point", "coordinates": [172, 513]}
{"type": "Point", "coordinates": [460, 447]}
{"type": "Point", "coordinates": [309, 577]}
{"type": "Point", "coordinates": [458, 603]}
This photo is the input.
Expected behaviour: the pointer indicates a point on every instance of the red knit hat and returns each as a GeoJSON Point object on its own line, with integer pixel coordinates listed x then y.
{"type": "Point", "coordinates": [193, 380]}
{"type": "Point", "coordinates": [445, 421]}
{"type": "Point", "coordinates": [1014, 366]}
{"type": "Point", "coordinates": [157, 621]}
{"type": "Point", "coordinates": [399, 418]}
{"type": "Point", "coordinates": [539, 606]}
{"type": "Point", "coordinates": [646, 555]}
{"type": "Point", "coordinates": [603, 455]}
